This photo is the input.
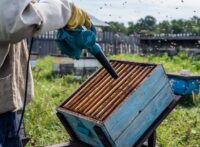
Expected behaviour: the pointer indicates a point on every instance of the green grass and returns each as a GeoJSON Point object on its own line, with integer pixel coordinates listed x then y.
{"type": "Point", "coordinates": [181, 128]}
{"type": "Point", "coordinates": [175, 64]}
{"type": "Point", "coordinates": [50, 90]}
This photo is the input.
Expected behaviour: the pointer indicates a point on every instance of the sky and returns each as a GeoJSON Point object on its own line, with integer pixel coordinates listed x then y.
{"type": "Point", "coordinates": [132, 10]}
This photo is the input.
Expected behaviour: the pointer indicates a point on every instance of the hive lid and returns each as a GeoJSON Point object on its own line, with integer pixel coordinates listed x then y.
{"type": "Point", "coordinates": [100, 95]}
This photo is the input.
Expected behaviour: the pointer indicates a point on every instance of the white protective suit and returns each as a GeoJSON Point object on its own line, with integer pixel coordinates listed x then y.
{"type": "Point", "coordinates": [20, 19]}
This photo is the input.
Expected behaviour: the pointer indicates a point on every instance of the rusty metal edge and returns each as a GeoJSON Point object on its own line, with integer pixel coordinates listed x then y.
{"type": "Point", "coordinates": [157, 122]}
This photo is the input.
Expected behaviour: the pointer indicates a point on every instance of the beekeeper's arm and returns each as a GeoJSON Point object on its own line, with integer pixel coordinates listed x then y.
{"type": "Point", "coordinates": [20, 19]}
{"type": "Point", "coordinates": [23, 18]}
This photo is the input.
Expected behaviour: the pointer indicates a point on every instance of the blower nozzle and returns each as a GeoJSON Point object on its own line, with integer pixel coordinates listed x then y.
{"type": "Point", "coordinates": [71, 42]}
{"type": "Point", "coordinates": [105, 63]}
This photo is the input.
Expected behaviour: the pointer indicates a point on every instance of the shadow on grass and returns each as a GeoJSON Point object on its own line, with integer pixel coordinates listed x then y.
{"type": "Point", "coordinates": [188, 101]}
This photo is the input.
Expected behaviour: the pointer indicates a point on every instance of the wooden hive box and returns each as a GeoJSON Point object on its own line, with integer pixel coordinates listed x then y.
{"type": "Point", "coordinates": [120, 110]}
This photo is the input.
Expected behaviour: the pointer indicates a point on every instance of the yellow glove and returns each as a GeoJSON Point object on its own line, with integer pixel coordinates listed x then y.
{"type": "Point", "coordinates": [79, 18]}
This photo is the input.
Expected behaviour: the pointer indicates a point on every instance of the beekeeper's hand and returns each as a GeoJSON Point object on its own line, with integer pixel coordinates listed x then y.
{"type": "Point", "coordinates": [78, 18]}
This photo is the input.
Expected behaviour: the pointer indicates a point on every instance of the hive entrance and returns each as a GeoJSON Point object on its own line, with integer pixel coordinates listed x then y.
{"type": "Point", "coordinates": [101, 94]}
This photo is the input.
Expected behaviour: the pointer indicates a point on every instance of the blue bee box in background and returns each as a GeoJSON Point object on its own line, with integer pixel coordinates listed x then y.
{"type": "Point", "coordinates": [184, 85]}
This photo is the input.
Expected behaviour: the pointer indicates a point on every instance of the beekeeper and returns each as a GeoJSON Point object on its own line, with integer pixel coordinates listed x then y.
{"type": "Point", "coordinates": [20, 19]}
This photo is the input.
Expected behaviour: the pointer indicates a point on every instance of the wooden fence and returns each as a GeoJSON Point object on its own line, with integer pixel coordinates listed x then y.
{"type": "Point", "coordinates": [45, 44]}
{"type": "Point", "coordinates": [111, 43]}
{"type": "Point", "coordinates": [116, 43]}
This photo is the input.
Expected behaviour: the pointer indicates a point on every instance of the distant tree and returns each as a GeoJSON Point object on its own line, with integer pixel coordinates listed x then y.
{"type": "Point", "coordinates": [116, 27]}
{"type": "Point", "coordinates": [146, 25]}
{"type": "Point", "coordinates": [178, 26]}
{"type": "Point", "coordinates": [131, 28]}
{"type": "Point", "coordinates": [149, 25]}
{"type": "Point", "coordinates": [163, 27]}
{"type": "Point", "coordinates": [195, 25]}
{"type": "Point", "coordinates": [150, 22]}
{"type": "Point", "coordinates": [188, 26]}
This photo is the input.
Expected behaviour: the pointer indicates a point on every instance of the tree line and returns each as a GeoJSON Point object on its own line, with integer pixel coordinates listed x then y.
{"type": "Point", "coordinates": [149, 25]}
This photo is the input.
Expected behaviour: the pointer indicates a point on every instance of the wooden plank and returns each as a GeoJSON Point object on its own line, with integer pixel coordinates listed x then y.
{"type": "Point", "coordinates": [82, 85]}
{"type": "Point", "coordinates": [81, 126]}
{"type": "Point", "coordinates": [108, 101]}
{"type": "Point", "coordinates": [130, 108]}
{"type": "Point", "coordinates": [146, 118]}
{"type": "Point", "coordinates": [91, 98]}
{"type": "Point", "coordinates": [143, 138]}
{"type": "Point", "coordinates": [132, 84]}
{"type": "Point", "coordinates": [107, 90]}
{"type": "Point", "coordinates": [157, 122]}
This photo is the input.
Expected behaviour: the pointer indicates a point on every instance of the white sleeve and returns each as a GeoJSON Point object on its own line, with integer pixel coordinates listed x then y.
{"type": "Point", "coordinates": [23, 18]}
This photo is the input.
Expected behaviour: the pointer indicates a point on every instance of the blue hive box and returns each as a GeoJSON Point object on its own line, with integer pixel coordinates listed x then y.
{"type": "Point", "coordinates": [118, 111]}
{"type": "Point", "coordinates": [184, 85]}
